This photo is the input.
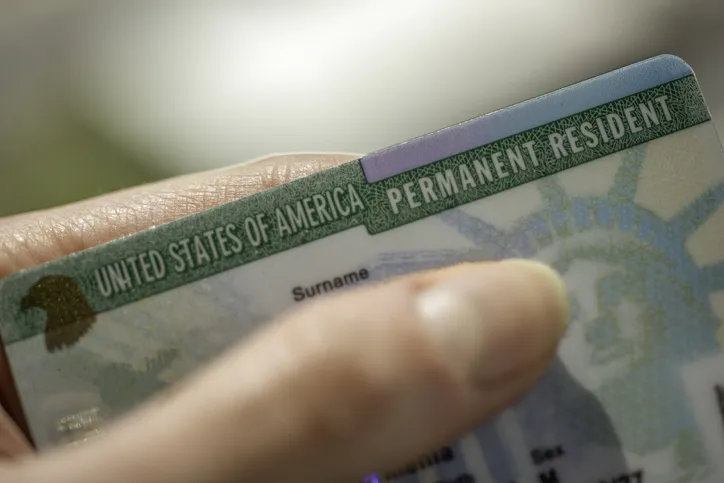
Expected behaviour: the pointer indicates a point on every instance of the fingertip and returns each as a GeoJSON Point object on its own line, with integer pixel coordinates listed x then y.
{"type": "Point", "coordinates": [553, 289]}
{"type": "Point", "coordinates": [495, 318]}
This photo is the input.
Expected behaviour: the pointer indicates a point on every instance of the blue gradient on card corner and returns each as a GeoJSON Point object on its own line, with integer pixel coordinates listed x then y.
{"type": "Point", "coordinates": [521, 117]}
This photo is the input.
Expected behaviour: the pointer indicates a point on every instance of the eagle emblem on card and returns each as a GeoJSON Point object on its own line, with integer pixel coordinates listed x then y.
{"type": "Point", "coordinates": [69, 316]}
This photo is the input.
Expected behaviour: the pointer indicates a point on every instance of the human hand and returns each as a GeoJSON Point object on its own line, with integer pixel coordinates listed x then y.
{"type": "Point", "coordinates": [365, 380]}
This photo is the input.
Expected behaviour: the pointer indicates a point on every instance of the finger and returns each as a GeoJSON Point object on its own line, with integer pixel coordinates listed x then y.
{"type": "Point", "coordinates": [11, 414]}
{"type": "Point", "coordinates": [33, 238]}
{"type": "Point", "coordinates": [13, 444]}
{"type": "Point", "coordinates": [362, 381]}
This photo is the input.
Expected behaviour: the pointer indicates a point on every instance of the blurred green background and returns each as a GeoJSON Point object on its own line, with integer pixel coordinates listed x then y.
{"type": "Point", "coordinates": [61, 160]}
{"type": "Point", "coordinates": [100, 95]}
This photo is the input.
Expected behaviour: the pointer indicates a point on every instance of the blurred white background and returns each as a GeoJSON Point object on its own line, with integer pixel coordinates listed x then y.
{"type": "Point", "coordinates": [99, 95]}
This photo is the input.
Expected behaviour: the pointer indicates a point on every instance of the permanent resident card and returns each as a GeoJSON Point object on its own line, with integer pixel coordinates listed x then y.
{"type": "Point", "coordinates": [617, 182]}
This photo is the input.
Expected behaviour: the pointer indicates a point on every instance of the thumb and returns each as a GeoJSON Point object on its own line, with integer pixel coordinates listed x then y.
{"type": "Point", "coordinates": [359, 382]}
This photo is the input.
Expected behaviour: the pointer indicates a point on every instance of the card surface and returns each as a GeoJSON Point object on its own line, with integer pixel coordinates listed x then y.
{"type": "Point", "coordinates": [618, 182]}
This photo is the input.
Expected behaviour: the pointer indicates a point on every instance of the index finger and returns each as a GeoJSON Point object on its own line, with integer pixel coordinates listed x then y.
{"type": "Point", "coordinates": [33, 238]}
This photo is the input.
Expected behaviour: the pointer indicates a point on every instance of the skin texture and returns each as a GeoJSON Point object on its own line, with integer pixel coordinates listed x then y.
{"type": "Point", "coordinates": [452, 348]}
